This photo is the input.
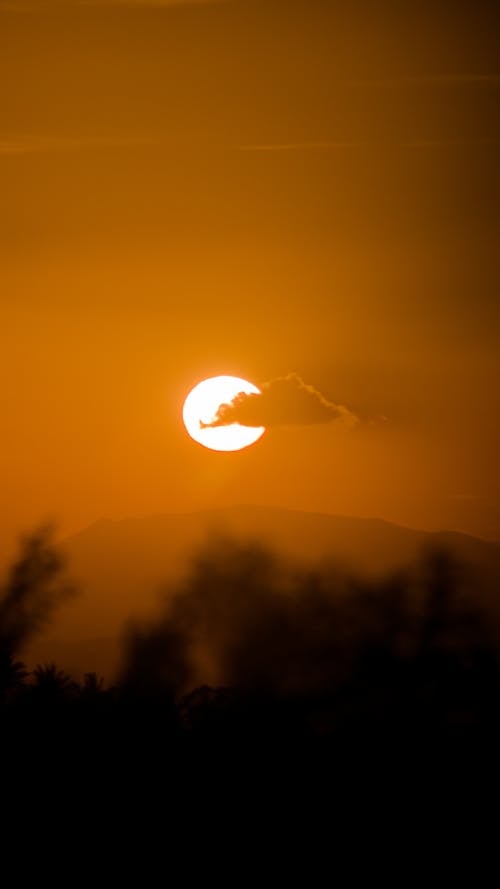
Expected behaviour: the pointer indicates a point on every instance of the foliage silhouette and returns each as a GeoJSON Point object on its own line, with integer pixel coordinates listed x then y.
{"type": "Point", "coordinates": [93, 685]}
{"type": "Point", "coordinates": [52, 683]}
{"type": "Point", "coordinates": [34, 587]}
{"type": "Point", "coordinates": [251, 654]}
{"type": "Point", "coordinates": [12, 674]}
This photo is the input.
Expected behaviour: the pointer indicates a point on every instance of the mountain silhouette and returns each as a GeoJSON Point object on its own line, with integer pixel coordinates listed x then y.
{"type": "Point", "coordinates": [122, 566]}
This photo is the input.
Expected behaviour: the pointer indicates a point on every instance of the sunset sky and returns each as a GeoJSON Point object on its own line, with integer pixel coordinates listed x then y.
{"type": "Point", "coordinates": [258, 189]}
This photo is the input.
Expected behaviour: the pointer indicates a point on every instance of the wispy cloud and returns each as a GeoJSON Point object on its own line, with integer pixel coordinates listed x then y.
{"type": "Point", "coordinates": [148, 2]}
{"type": "Point", "coordinates": [366, 144]}
{"type": "Point", "coordinates": [11, 147]}
{"type": "Point", "coordinates": [25, 145]}
{"type": "Point", "coordinates": [464, 79]}
{"type": "Point", "coordinates": [39, 145]}
{"type": "Point", "coordinates": [296, 146]}
{"type": "Point", "coordinates": [40, 5]}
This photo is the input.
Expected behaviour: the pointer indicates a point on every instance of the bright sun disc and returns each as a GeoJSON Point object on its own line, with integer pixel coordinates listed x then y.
{"type": "Point", "coordinates": [201, 406]}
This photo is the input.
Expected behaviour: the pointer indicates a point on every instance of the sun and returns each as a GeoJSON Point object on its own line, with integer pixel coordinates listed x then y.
{"type": "Point", "coordinates": [201, 406]}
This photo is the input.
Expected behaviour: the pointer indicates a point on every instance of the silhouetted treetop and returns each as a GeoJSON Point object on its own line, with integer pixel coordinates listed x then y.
{"type": "Point", "coordinates": [35, 586]}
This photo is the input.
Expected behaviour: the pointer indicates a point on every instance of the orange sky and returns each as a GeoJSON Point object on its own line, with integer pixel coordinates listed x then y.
{"type": "Point", "coordinates": [250, 188]}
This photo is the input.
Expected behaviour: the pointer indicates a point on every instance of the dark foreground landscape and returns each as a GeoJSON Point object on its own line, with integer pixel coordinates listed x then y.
{"type": "Point", "coordinates": [253, 660]}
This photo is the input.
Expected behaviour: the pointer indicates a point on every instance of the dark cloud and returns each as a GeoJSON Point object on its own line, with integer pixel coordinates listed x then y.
{"type": "Point", "coordinates": [285, 401]}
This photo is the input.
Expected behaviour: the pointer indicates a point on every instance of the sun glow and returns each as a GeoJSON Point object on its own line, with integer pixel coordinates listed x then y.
{"type": "Point", "coordinates": [201, 406]}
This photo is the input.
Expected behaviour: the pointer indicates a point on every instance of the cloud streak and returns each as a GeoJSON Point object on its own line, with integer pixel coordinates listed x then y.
{"type": "Point", "coordinates": [463, 79]}
{"type": "Point", "coordinates": [285, 401]}
{"type": "Point", "coordinates": [147, 3]}
{"type": "Point", "coordinates": [366, 145]}
{"type": "Point", "coordinates": [34, 145]}
{"type": "Point", "coordinates": [41, 5]}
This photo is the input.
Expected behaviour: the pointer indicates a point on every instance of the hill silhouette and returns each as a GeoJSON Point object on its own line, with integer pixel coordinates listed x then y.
{"type": "Point", "coordinates": [121, 566]}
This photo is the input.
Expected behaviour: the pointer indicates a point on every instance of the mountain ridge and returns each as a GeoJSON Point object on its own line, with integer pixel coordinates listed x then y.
{"type": "Point", "coordinates": [125, 567]}
{"type": "Point", "coordinates": [224, 510]}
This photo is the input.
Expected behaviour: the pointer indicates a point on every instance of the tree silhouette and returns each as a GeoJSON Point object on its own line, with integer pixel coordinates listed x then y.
{"type": "Point", "coordinates": [34, 587]}
{"type": "Point", "coordinates": [13, 674]}
{"type": "Point", "coordinates": [93, 685]}
{"type": "Point", "coordinates": [319, 657]}
{"type": "Point", "coordinates": [52, 684]}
